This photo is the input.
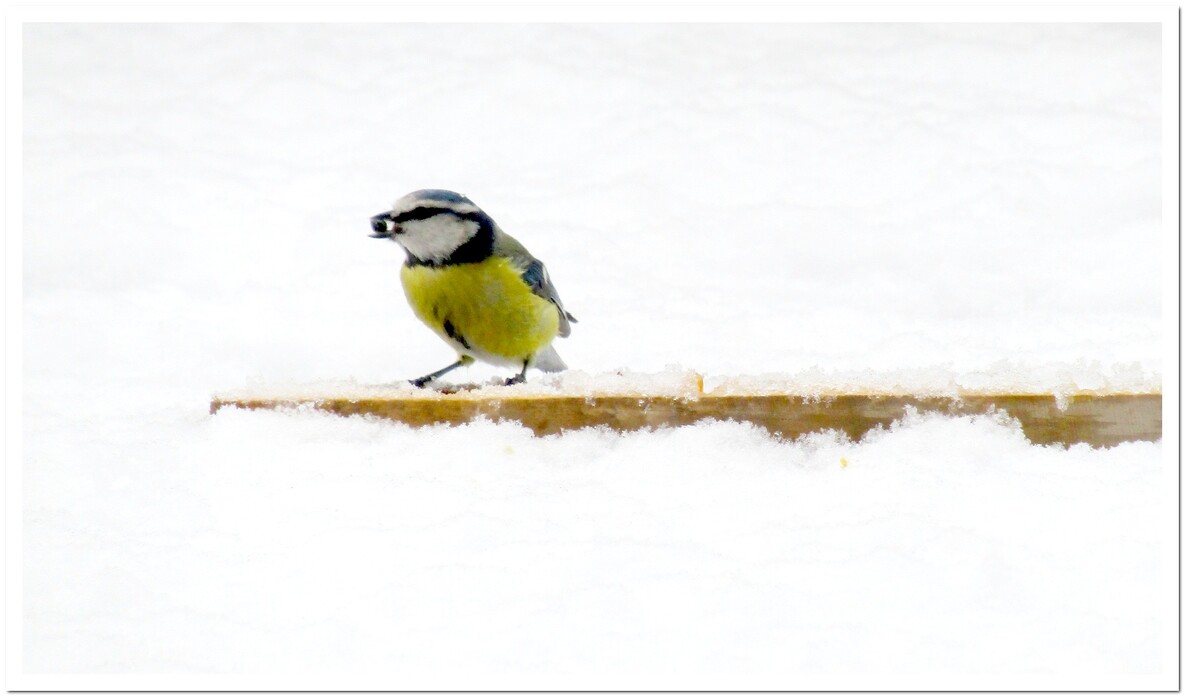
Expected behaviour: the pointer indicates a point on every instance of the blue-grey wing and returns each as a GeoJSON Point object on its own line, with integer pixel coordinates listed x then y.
{"type": "Point", "coordinates": [536, 277]}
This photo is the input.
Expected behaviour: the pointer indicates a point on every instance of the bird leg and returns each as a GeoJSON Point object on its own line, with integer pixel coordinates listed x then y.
{"type": "Point", "coordinates": [420, 382]}
{"type": "Point", "coordinates": [521, 377]}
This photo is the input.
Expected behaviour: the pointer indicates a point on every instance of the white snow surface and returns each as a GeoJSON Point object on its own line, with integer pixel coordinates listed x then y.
{"type": "Point", "coordinates": [924, 208]}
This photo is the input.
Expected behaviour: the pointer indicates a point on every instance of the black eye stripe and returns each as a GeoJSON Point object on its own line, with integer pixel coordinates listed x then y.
{"type": "Point", "coordinates": [425, 212]}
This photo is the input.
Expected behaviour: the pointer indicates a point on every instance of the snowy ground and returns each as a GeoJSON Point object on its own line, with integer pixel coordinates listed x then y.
{"type": "Point", "coordinates": [901, 204]}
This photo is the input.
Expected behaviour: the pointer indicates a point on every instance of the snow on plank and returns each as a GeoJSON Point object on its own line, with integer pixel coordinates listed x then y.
{"type": "Point", "coordinates": [1098, 418]}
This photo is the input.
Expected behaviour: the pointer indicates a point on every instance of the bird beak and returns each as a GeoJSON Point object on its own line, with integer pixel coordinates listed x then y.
{"type": "Point", "coordinates": [383, 226]}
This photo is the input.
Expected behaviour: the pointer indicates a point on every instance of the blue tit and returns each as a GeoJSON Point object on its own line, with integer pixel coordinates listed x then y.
{"type": "Point", "coordinates": [474, 285]}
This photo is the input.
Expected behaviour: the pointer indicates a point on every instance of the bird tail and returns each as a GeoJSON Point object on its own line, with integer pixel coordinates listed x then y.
{"type": "Point", "coordinates": [549, 361]}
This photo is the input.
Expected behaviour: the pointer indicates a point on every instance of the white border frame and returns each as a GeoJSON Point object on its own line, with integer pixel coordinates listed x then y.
{"type": "Point", "coordinates": [16, 17]}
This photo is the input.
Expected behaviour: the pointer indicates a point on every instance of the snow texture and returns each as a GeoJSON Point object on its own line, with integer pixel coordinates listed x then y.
{"type": "Point", "coordinates": [896, 206]}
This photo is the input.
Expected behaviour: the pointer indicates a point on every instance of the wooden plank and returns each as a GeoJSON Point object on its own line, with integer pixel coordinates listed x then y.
{"type": "Point", "coordinates": [1096, 419]}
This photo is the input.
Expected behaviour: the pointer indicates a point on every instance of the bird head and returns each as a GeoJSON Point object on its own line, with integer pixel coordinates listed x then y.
{"type": "Point", "coordinates": [430, 224]}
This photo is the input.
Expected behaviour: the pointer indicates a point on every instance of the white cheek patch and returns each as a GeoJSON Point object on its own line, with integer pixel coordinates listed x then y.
{"type": "Point", "coordinates": [437, 237]}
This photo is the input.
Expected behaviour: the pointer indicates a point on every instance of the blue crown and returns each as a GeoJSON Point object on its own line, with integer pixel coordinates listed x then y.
{"type": "Point", "coordinates": [441, 195]}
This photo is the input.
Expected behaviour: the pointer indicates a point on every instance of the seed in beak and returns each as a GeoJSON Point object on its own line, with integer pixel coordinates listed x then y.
{"type": "Point", "coordinates": [383, 226]}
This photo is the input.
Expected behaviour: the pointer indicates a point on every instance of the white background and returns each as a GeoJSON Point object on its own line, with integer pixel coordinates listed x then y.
{"type": "Point", "coordinates": [888, 200]}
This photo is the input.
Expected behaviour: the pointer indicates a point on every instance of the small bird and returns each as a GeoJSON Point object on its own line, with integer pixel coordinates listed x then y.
{"type": "Point", "coordinates": [474, 285]}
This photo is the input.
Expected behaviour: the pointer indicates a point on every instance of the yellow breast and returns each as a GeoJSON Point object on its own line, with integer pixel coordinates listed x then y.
{"type": "Point", "coordinates": [486, 307]}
